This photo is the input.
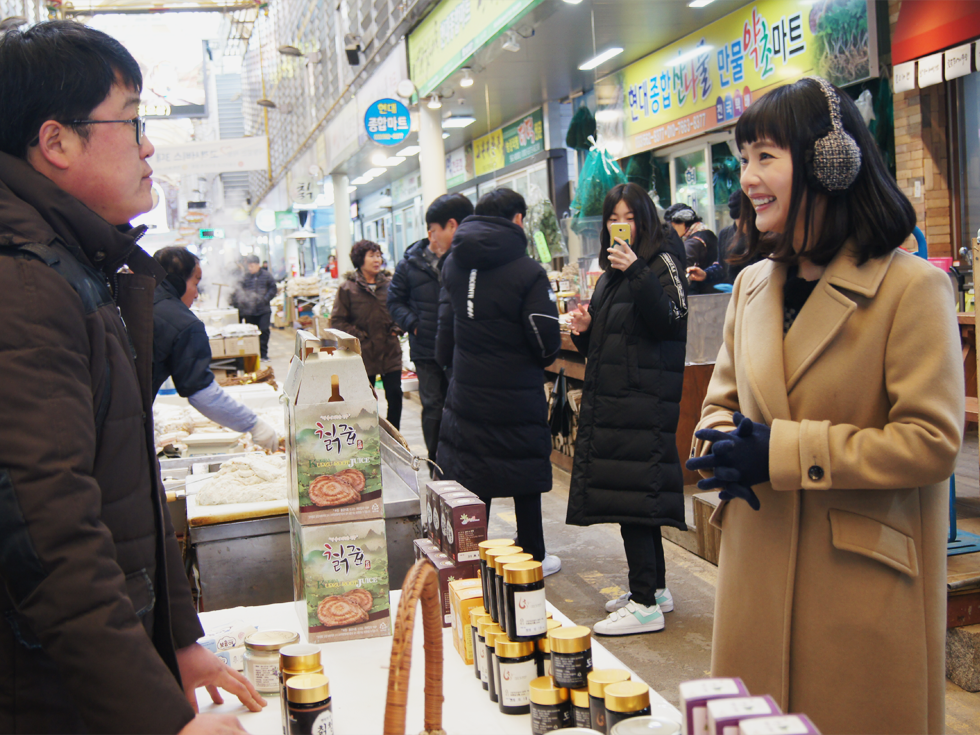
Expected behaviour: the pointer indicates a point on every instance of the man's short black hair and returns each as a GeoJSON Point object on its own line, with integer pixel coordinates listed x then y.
{"type": "Point", "coordinates": [447, 207]}
{"type": "Point", "coordinates": [58, 70]}
{"type": "Point", "coordinates": [177, 261]}
{"type": "Point", "coordinates": [501, 203]}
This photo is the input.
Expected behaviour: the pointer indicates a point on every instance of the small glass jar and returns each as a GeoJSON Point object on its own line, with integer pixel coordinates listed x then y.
{"type": "Point", "coordinates": [599, 679]}
{"type": "Point", "coordinates": [471, 631]}
{"type": "Point", "coordinates": [294, 660]}
{"type": "Point", "coordinates": [647, 725]}
{"type": "Point", "coordinates": [484, 547]}
{"type": "Point", "coordinates": [309, 706]}
{"type": "Point", "coordinates": [517, 671]}
{"type": "Point", "coordinates": [581, 715]}
{"type": "Point", "coordinates": [481, 648]}
{"type": "Point", "coordinates": [543, 651]}
{"type": "Point", "coordinates": [626, 699]}
{"type": "Point", "coordinates": [571, 656]}
{"type": "Point", "coordinates": [524, 603]}
{"type": "Point", "coordinates": [550, 708]}
{"type": "Point", "coordinates": [493, 668]}
{"type": "Point", "coordinates": [498, 567]}
{"type": "Point", "coordinates": [494, 607]}
{"type": "Point", "coordinates": [262, 658]}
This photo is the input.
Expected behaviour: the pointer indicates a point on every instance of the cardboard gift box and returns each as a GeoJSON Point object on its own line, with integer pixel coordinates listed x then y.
{"type": "Point", "coordinates": [333, 440]}
{"type": "Point", "coordinates": [778, 725]}
{"type": "Point", "coordinates": [217, 346]}
{"type": "Point", "coordinates": [725, 715]}
{"type": "Point", "coordinates": [448, 572]}
{"type": "Point", "coordinates": [464, 526]}
{"type": "Point", "coordinates": [440, 514]}
{"type": "Point", "coordinates": [695, 696]}
{"type": "Point", "coordinates": [340, 580]}
{"type": "Point", "coordinates": [240, 346]}
{"type": "Point", "coordinates": [430, 505]}
{"type": "Point", "coordinates": [464, 595]}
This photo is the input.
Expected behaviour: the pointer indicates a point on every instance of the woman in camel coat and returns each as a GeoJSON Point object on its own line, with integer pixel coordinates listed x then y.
{"type": "Point", "coordinates": [842, 353]}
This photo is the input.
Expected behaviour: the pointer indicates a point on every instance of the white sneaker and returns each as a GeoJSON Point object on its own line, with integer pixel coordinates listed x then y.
{"type": "Point", "coordinates": [631, 619]}
{"type": "Point", "coordinates": [550, 565]}
{"type": "Point", "coordinates": [664, 599]}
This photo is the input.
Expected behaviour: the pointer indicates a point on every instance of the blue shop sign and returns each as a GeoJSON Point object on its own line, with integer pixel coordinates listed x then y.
{"type": "Point", "coordinates": [388, 122]}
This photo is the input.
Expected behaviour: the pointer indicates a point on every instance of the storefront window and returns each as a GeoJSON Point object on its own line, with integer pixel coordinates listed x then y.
{"type": "Point", "coordinates": [691, 181]}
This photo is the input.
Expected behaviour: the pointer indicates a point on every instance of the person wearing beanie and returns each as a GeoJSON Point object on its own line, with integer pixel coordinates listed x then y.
{"type": "Point", "coordinates": [700, 243]}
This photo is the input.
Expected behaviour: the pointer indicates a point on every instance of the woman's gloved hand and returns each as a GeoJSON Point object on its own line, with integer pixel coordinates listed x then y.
{"type": "Point", "coordinates": [264, 435]}
{"type": "Point", "coordinates": [739, 459]}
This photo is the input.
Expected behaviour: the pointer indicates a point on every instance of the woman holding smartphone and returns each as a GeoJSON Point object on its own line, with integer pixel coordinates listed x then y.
{"type": "Point", "coordinates": [831, 425]}
{"type": "Point", "coordinates": [627, 469]}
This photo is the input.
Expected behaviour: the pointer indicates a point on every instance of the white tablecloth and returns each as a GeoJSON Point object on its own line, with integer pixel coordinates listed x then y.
{"type": "Point", "coordinates": [358, 672]}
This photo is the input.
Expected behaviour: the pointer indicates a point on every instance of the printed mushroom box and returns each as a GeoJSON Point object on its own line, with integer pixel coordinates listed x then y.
{"type": "Point", "coordinates": [464, 526]}
{"type": "Point", "coordinates": [334, 469]}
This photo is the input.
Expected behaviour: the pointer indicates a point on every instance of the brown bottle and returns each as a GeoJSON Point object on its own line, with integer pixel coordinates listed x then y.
{"type": "Point", "coordinates": [335, 390]}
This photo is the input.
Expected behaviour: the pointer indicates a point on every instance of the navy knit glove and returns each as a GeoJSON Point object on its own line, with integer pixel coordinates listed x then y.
{"type": "Point", "coordinates": [739, 459]}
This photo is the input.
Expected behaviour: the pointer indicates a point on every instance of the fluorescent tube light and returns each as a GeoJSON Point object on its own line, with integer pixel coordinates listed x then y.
{"type": "Point", "coordinates": [604, 56]}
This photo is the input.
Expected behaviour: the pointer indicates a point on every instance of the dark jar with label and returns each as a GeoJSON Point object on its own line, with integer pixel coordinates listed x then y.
{"type": "Point", "coordinates": [494, 605]}
{"type": "Point", "coordinates": [626, 699]}
{"type": "Point", "coordinates": [499, 563]}
{"type": "Point", "coordinates": [543, 651]}
{"type": "Point", "coordinates": [484, 547]}
{"type": "Point", "coordinates": [517, 670]}
{"type": "Point", "coordinates": [581, 716]}
{"type": "Point", "coordinates": [599, 679]}
{"type": "Point", "coordinates": [571, 656]}
{"type": "Point", "coordinates": [481, 648]}
{"type": "Point", "coordinates": [524, 604]}
{"type": "Point", "coordinates": [295, 659]}
{"type": "Point", "coordinates": [475, 613]}
{"type": "Point", "coordinates": [550, 708]}
{"type": "Point", "coordinates": [493, 668]}
{"type": "Point", "coordinates": [308, 705]}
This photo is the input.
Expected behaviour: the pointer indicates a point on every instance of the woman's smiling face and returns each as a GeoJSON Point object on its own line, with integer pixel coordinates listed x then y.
{"type": "Point", "coordinates": [767, 180]}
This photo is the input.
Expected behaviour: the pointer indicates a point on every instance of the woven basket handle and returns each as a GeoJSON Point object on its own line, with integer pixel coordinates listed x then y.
{"type": "Point", "coordinates": [421, 583]}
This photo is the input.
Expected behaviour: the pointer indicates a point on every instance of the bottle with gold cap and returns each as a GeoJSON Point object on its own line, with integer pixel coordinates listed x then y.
{"type": "Point", "coordinates": [484, 546]}
{"type": "Point", "coordinates": [625, 699]}
{"type": "Point", "coordinates": [571, 655]}
{"type": "Point", "coordinates": [471, 631]}
{"type": "Point", "coordinates": [294, 660]}
{"type": "Point", "coordinates": [517, 671]}
{"type": "Point", "coordinates": [581, 715]}
{"type": "Point", "coordinates": [524, 604]}
{"type": "Point", "coordinates": [543, 652]}
{"type": "Point", "coordinates": [498, 568]}
{"type": "Point", "coordinates": [481, 647]}
{"type": "Point", "coordinates": [493, 667]}
{"type": "Point", "coordinates": [309, 705]}
{"type": "Point", "coordinates": [494, 605]}
{"type": "Point", "coordinates": [599, 679]}
{"type": "Point", "coordinates": [550, 708]}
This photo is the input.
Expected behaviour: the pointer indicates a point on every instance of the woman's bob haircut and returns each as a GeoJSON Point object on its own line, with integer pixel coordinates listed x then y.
{"type": "Point", "coordinates": [874, 212]}
{"type": "Point", "coordinates": [649, 233]}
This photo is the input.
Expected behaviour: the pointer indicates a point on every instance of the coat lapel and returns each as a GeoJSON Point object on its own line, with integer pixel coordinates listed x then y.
{"type": "Point", "coordinates": [762, 328]}
{"type": "Point", "coordinates": [828, 309]}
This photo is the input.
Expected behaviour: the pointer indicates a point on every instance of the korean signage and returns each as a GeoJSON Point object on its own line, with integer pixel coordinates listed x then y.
{"type": "Point", "coordinates": [212, 157]}
{"type": "Point", "coordinates": [387, 122]}
{"type": "Point", "coordinates": [707, 79]}
{"type": "Point", "coordinates": [524, 138]}
{"type": "Point", "coordinates": [453, 32]}
{"type": "Point", "coordinates": [459, 166]}
{"type": "Point", "coordinates": [488, 153]}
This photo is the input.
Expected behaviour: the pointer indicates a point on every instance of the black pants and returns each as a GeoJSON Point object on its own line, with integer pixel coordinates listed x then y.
{"type": "Point", "coordinates": [432, 392]}
{"type": "Point", "coordinates": [262, 322]}
{"type": "Point", "coordinates": [392, 383]}
{"type": "Point", "coordinates": [645, 557]}
{"type": "Point", "coordinates": [530, 532]}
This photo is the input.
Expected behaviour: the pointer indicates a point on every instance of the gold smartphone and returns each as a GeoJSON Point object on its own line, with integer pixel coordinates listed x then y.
{"type": "Point", "coordinates": [620, 230]}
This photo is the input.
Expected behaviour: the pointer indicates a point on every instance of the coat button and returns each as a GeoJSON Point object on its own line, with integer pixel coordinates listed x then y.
{"type": "Point", "coordinates": [815, 473]}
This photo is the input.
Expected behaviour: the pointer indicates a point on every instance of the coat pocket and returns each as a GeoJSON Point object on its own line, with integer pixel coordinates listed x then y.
{"type": "Point", "coordinates": [871, 538]}
{"type": "Point", "coordinates": [140, 590]}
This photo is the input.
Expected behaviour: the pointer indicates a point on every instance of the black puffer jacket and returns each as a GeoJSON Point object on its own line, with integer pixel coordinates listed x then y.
{"type": "Point", "coordinates": [413, 300]}
{"type": "Point", "coordinates": [498, 329]}
{"type": "Point", "coordinates": [626, 467]}
{"type": "Point", "coordinates": [254, 292]}
{"type": "Point", "coordinates": [180, 344]}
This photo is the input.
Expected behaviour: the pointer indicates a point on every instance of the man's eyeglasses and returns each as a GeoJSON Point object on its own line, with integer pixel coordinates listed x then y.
{"type": "Point", "coordinates": [137, 122]}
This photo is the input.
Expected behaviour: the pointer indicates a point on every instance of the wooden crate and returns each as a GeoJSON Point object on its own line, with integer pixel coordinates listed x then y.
{"type": "Point", "coordinates": [709, 537]}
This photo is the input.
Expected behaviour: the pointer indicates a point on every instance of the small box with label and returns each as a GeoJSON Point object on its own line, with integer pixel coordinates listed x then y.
{"type": "Point", "coordinates": [240, 346]}
{"type": "Point", "coordinates": [695, 696]}
{"type": "Point", "coordinates": [448, 572]}
{"type": "Point", "coordinates": [439, 513]}
{"type": "Point", "coordinates": [724, 715]}
{"type": "Point", "coordinates": [430, 505]}
{"type": "Point", "coordinates": [464, 526]}
{"type": "Point", "coordinates": [464, 595]}
{"type": "Point", "coordinates": [781, 725]}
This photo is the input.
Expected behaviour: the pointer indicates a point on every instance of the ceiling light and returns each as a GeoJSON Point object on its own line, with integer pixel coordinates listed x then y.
{"type": "Point", "coordinates": [696, 3]}
{"type": "Point", "coordinates": [445, 135]}
{"type": "Point", "coordinates": [467, 80]}
{"type": "Point", "coordinates": [405, 88]}
{"type": "Point", "coordinates": [362, 180]}
{"type": "Point", "coordinates": [379, 158]}
{"type": "Point", "coordinates": [458, 121]}
{"type": "Point", "coordinates": [434, 102]}
{"type": "Point", "coordinates": [412, 150]}
{"type": "Point", "coordinates": [511, 44]}
{"type": "Point", "coordinates": [604, 56]}
{"type": "Point", "coordinates": [394, 161]}
{"type": "Point", "coordinates": [688, 55]}
{"type": "Point", "coordinates": [573, 2]}
{"type": "Point", "coordinates": [290, 51]}
{"type": "Point", "coordinates": [266, 103]}
{"type": "Point", "coordinates": [375, 172]}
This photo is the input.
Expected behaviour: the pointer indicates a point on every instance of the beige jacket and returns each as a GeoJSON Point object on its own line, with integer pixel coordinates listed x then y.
{"type": "Point", "coordinates": [831, 598]}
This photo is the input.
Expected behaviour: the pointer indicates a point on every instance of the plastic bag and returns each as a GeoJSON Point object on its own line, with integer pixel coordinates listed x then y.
{"type": "Point", "coordinates": [600, 173]}
{"type": "Point", "coordinates": [544, 237]}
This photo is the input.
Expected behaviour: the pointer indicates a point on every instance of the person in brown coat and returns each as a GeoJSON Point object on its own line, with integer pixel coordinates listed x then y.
{"type": "Point", "coordinates": [97, 627]}
{"type": "Point", "coordinates": [831, 425]}
{"type": "Point", "coordinates": [361, 309]}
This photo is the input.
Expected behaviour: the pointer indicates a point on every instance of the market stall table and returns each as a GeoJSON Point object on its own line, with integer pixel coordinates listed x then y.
{"type": "Point", "coordinates": [358, 673]}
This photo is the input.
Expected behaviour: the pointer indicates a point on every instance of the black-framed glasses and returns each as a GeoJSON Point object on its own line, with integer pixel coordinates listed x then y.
{"type": "Point", "coordinates": [137, 122]}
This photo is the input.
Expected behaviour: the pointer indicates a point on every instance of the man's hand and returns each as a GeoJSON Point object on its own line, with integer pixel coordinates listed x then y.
{"type": "Point", "coordinates": [199, 667]}
{"type": "Point", "coordinates": [696, 274]}
{"type": "Point", "coordinates": [581, 320]}
{"type": "Point", "coordinates": [213, 725]}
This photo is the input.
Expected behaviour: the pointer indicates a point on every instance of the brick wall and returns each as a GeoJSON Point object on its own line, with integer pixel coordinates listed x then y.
{"type": "Point", "coordinates": [921, 152]}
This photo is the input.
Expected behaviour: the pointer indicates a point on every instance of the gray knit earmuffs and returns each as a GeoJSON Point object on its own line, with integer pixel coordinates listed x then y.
{"type": "Point", "coordinates": [834, 160]}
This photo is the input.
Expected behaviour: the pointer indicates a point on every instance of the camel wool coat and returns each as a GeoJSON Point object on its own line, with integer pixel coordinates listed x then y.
{"type": "Point", "coordinates": [832, 597]}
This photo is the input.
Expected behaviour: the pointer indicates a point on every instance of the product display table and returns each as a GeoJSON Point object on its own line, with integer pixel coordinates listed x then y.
{"type": "Point", "coordinates": [358, 672]}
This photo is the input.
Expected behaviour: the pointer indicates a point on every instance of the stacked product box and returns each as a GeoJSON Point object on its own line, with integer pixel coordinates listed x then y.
{"type": "Point", "coordinates": [336, 510]}
{"type": "Point", "coordinates": [448, 572]}
{"type": "Point", "coordinates": [725, 707]}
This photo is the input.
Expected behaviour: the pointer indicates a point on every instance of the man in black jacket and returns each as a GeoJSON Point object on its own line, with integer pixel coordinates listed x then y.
{"type": "Point", "coordinates": [256, 289]}
{"type": "Point", "coordinates": [413, 302]}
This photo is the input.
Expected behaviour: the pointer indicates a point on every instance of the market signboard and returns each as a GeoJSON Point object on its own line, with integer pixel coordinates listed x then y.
{"type": "Point", "coordinates": [459, 166]}
{"type": "Point", "coordinates": [453, 32]}
{"type": "Point", "coordinates": [707, 79]}
{"type": "Point", "coordinates": [388, 122]}
{"type": "Point", "coordinates": [524, 138]}
{"type": "Point", "coordinates": [488, 153]}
